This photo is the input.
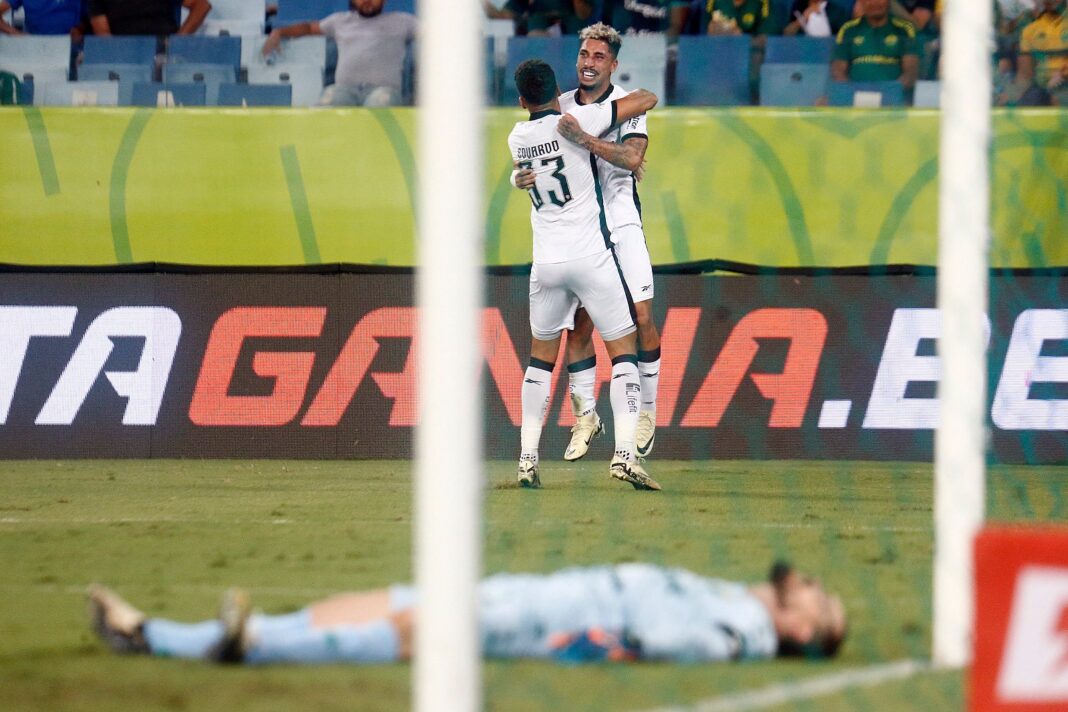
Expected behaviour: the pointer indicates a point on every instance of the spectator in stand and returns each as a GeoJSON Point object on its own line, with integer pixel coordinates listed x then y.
{"type": "Point", "coordinates": [638, 17]}
{"type": "Point", "coordinates": [47, 17]}
{"type": "Point", "coordinates": [921, 13]}
{"type": "Point", "coordinates": [1042, 65]}
{"type": "Point", "coordinates": [146, 17]}
{"type": "Point", "coordinates": [815, 18]}
{"type": "Point", "coordinates": [876, 47]}
{"type": "Point", "coordinates": [740, 17]}
{"type": "Point", "coordinates": [542, 17]}
{"type": "Point", "coordinates": [371, 45]}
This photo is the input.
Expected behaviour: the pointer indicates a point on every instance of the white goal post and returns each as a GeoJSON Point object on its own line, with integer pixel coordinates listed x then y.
{"type": "Point", "coordinates": [449, 464]}
{"type": "Point", "coordinates": [964, 237]}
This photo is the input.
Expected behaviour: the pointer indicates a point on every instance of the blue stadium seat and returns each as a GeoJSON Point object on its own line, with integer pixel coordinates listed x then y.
{"type": "Point", "coordinates": [642, 63]}
{"type": "Point", "coordinates": [559, 52]}
{"type": "Point", "coordinates": [306, 80]}
{"type": "Point", "coordinates": [712, 71]}
{"type": "Point", "coordinates": [798, 49]}
{"type": "Point", "coordinates": [255, 95]}
{"type": "Point", "coordinates": [927, 94]}
{"type": "Point", "coordinates": [400, 6]}
{"type": "Point", "coordinates": [125, 75]}
{"type": "Point", "coordinates": [291, 12]}
{"type": "Point", "coordinates": [247, 10]}
{"type": "Point", "coordinates": [130, 49]}
{"type": "Point", "coordinates": [168, 94]}
{"type": "Point", "coordinates": [295, 50]}
{"type": "Point", "coordinates": [793, 84]}
{"type": "Point", "coordinates": [197, 49]}
{"type": "Point", "coordinates": [42, 57]}
{"type": "Point", "coordinates": [100, 93]}
{"type": "Point", "coordinates": [844, 93]}
{"type": "Point", "coordinates": [211, 75]}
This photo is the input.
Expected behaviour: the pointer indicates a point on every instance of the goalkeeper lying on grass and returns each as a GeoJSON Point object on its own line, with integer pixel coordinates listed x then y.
{"type": "Point", "coordinates": [622, 612]}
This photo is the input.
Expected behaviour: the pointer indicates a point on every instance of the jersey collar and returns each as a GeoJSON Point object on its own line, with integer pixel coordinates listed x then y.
{"type": "Point", "coordinates": [542, 114]}
{"type": "Point", "coordinates": [598, 100]}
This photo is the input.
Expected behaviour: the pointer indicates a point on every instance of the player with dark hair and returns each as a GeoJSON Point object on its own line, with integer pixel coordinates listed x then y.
{"type": "Point", "coordinates": [573, 261]}
{"type": "Point", "coordinates": [621, 155]}
{"type": "Point", "coordinates": [626, 612]}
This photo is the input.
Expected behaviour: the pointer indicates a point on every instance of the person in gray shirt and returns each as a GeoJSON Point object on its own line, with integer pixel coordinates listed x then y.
{"type": "Point", "coordinates": [371, 45]}
{"type": "Point", "coordinates": [624, 612]}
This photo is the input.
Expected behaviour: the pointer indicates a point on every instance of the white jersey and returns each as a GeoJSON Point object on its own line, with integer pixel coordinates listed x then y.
{"type": "Point", "coordinates": [568, 216]}
{"type": "Point", "coordinates": [619, 185]}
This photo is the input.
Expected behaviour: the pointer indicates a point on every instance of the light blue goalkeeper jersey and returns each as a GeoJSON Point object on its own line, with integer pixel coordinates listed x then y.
{"type": "Point", "coordinates": [671, 614]}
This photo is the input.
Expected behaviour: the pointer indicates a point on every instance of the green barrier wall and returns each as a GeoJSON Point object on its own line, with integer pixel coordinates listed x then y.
{"type": "Point", "coordinates": [269, 187]}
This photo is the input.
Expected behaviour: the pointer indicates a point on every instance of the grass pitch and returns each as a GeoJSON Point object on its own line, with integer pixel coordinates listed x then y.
{"type": "Point", "coordinates": [171, 535]}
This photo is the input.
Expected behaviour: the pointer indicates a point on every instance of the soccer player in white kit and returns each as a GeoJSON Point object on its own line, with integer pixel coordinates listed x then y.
{"type": "Point", "coordinates": [574, 261]}
{"type": "Point", "coordinates": [621, 154]}
{"type": "Point", "coordinates": [625, 612]}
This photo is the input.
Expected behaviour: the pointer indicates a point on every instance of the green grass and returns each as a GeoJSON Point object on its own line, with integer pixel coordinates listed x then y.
{"type": "Point", "coordinates": [170, 535]}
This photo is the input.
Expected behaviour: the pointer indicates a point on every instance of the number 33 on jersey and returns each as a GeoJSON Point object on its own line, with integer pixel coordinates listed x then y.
{"type": "Point", "coordinates": [567, 213]}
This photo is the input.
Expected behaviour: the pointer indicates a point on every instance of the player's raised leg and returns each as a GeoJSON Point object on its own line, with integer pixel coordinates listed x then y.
{"type": "Point", "coordinates": [582, 380]}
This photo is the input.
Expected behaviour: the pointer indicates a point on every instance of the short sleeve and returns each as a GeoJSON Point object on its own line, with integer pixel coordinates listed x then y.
{"type": "Point", "coordinates": [635, 127]}
{"type": "Point", "coordinates": [841, 46]}
{"type": "Point", "coordinates": [328, 25]}
{"type": "Point", "coordinates": [912, 44]}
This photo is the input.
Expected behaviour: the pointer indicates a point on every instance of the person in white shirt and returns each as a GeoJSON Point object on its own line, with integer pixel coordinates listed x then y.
{"type": "Point", "coordinates": [624, 613]}
{"type": "Point", "coordinates": [371, 46]}
{"type": "Point", "coordinates": [620, 155]}
{"type": "Point", "coordinates": [573, 260]}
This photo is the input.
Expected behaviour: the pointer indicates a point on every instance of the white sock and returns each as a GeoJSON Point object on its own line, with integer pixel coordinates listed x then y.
{"type": "Point", "coordinates": [582, 376]}
{"type": "Point", "coordinates": [537, 386]}
{"type": "Point", "coordinates": [649, 368]}
{"type": "Point", "coordinates": [626, 392]}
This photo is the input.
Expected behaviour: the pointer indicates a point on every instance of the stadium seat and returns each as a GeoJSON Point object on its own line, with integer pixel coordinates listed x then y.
{"type": "Point", "coordinates": [130, 49]}
{"type": "Point", "coordinates": [44, 57]}
{"type": "Point", "coordinates": [500, 31]}
{"type": "Point", "coordinates": [247, 10]}
{"type": "Point", "coordinates": [712, 71]}
{"type": "Point", "coordinates": [231, 28]}
{"type": "Point", "coordinates": [400, 6]}
{"type": "Point", "coordinates": [297, 50]}
{"type": "Point", "coordinates": [211, 75]}
{"type": "Point", "coordinates": [845, 93]}
{"type": "Point", "coordinates": [255, 95]}
{"type": "Point", "coordinates": [125, 75]}
{"type": "Point", "coordinates": [194, 49]}
{"type": "Point", "coordinates": [559, 52]}
{"type": "Point", "coordinates": [291, 12]}
{"type": "Point", "coordinates": [798, 50]}
{"type": "Point", "coordinates": [306, 80]}
{"type": "Point", "coordinates": [98, 93]}
{"type": "Point", "coordinates": [169, 94]}
{"type": "Point", "coordinates": [642, 63]}
{"type": "Point", "coordinates": [927, 94]}
{"type": "Point", "coordinates": [793, 84]}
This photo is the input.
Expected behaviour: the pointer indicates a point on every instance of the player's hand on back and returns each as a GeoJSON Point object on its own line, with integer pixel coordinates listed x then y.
{"type": "Point", "coordinates": [524, 177]}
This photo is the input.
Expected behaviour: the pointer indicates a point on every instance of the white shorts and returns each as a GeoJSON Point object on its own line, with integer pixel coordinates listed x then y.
{"type": "Point", "coordinates": [557, 288]}
{"type": "Point", "coordinates": [633, 256]}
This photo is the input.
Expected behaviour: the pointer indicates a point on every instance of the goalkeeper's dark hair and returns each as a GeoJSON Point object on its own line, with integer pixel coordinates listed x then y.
{"type": "Point", "coordinates": [536, 82]}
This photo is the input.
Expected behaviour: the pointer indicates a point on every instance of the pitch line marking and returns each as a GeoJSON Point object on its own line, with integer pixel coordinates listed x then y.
{"type": "Point", "coordinates": [716, 525]}
{"type": "Point", "coordinates": [787, 692]}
